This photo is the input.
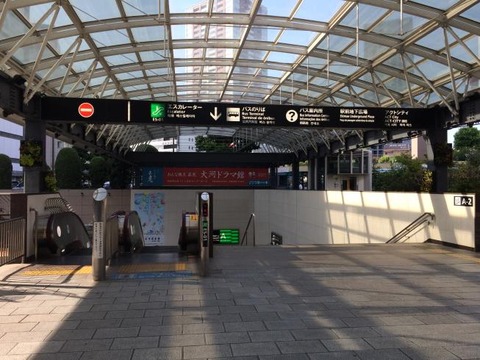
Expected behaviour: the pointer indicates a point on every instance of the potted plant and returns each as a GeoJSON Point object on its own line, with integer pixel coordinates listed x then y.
{"type": "Point", "coordinates": [31, 153]}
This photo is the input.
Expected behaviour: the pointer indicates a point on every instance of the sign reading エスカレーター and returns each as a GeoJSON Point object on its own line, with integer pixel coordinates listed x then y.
{"type": "Point", "coordinates": [103, 111]}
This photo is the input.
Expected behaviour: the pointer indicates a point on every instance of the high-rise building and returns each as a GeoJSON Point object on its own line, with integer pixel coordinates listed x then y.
{"type": "Point", "coordinates": [214, 72]}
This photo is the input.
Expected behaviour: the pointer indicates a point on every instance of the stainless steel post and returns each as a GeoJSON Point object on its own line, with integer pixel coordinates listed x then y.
{"type": "Point", "coordinates": [205, 231]}
{"type": "Point", "coordinates": [98, 241]}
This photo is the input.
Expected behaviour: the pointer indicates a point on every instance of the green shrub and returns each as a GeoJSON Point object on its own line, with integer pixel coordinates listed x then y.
{"type": "Point", "coordinates": [68, 169]}
{"type": "Point", "coordinates": [99, 171]}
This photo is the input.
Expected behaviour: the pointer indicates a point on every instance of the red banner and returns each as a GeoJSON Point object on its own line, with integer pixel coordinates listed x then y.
{"type": "Point", "coordinates": [215, 176]}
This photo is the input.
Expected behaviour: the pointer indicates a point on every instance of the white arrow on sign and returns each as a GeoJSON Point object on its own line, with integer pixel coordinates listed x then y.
{"type": "Point", "coordinates": [215, 116]}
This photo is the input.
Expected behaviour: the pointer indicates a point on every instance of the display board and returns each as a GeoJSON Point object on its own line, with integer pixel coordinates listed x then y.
{"type": "Point", "coordinates": [205, 176]}
{"type": "Point", "coordinates": [106, 111]}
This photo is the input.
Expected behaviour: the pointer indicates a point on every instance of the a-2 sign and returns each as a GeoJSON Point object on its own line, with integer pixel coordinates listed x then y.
{"type": "Point", "coordinates": [463, 200]}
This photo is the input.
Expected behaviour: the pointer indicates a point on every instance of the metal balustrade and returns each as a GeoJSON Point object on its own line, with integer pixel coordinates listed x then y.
{"type": "Point", "coordinates": [12, 240]}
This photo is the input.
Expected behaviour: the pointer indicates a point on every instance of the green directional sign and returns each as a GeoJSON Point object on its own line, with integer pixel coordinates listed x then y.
{"type": "Point", "coordinates": [226, 236]}
{"type": "Point", "coordinates": [157, 110]}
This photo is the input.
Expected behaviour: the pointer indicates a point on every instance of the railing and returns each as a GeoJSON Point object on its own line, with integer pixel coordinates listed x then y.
{"type": "Point", "coordinates": [12, 240]}
{"type": "Point", "coordinates": [4, 206]}
{"type": "Point", "coordinates": [415, 224]}
{"type": "Point", "coordinates": [245, 234]}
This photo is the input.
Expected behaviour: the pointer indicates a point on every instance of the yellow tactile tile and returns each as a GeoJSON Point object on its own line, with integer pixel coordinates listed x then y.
{"type": "Point", "coordinates": [57, 270]}
{"type": "Point", "coordinates": [153, 267]}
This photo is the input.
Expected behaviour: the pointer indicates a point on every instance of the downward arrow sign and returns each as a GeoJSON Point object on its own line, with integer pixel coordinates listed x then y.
{"type": "Point", "coordinates": [215, 116]}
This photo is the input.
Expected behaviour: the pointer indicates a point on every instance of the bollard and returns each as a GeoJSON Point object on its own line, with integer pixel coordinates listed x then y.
{"type": "Point", "coordinates": [98, 241]}
{"type": "Point", "coordinates": [205, 231]}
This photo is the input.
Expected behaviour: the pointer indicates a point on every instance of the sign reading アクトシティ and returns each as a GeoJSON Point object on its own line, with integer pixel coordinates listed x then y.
{"type": "Point", "coordinates": [103, 111]}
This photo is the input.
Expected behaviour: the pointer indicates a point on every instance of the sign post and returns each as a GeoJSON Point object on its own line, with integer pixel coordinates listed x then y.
{"type": "Point", "coordinates": [205, 230]}
{"type": "Point", "coordinates": [98, 243]}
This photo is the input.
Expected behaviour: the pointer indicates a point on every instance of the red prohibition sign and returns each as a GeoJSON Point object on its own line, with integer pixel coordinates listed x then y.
{"type": "Point", "coordinates": [86, 110]}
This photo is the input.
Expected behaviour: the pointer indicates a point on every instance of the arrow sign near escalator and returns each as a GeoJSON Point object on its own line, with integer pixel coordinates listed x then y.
{"type": "Point", "coordinates": [215, 115]}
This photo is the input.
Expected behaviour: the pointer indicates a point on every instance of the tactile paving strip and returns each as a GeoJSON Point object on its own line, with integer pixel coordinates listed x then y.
{"type": "Point", "coordinates": [45, 270]}
{"type": "Point", "coordinates": [153, 267]}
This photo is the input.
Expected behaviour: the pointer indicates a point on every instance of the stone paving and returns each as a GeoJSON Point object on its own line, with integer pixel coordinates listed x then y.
{"type": "Point", "coordinates": [263, 303]}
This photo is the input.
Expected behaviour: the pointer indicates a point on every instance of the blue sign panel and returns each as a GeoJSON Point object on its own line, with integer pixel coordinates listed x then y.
{"type": "Point", "coordinates": [152, 176]}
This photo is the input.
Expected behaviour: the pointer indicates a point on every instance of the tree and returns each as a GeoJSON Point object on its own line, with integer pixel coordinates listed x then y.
{"type": "Point", "coordinates": [5, 172]}
{"type": "Point", "coordinates": [68, 169]}
{"type": "Point", "coordinates": [99, 171]}
{"type": "Point", "coordinates": [465, 175]}
{"type": "Point", "coordinates": [406, 174]}
{"type": "Point", "coordinates": [465, 140]}
{"type": "Point", "coordinates": [213, 144]}
{"type": "Point", "coordinates": [146, 148]}
{"type": "Point", "coordinates": [120, 174]}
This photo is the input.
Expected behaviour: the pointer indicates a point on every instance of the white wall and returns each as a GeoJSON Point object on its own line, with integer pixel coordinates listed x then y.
{"type": "Point", "coordinates": [349, 217]}
{"type": "Point", "coordinates": [307, 217]}
{"type": "Point", "coordinates": [231, 209]}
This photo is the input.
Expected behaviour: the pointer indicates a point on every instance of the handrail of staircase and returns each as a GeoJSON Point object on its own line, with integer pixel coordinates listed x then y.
{"type": "Point", "coordinates": [412, 226]}
{"type": "Point", "coordinates": [251, 220]}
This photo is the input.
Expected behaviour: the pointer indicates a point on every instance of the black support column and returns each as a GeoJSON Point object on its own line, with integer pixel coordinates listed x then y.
{"type": "Point", "coordinates": [35, 131]}
{"type": "Point", "coordinates": [442, 155]}
{"type": "Point", "coordinates": [295, 174]}
{"type": "Point", "coordinates": [273, 177]}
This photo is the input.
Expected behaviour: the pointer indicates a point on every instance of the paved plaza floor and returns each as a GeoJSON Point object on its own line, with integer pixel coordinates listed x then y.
{"type": "Point", "coordinates": [272, 302]}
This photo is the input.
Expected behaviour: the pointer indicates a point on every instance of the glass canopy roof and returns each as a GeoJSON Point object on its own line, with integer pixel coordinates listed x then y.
{"type": "Point", "coordinates": [387, 53]}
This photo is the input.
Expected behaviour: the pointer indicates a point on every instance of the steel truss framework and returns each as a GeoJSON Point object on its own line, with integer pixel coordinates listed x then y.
{"type": "Point", "coordinates": [387, 53]}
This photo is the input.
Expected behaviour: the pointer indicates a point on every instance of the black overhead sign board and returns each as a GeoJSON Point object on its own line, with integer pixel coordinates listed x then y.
{"type": "Point", "coordinates": [103, 111]}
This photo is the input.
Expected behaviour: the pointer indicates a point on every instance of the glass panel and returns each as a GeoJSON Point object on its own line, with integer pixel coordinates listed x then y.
{"type": "Point", "coordinates": [12, 27]}
{"type": "Point", "coordinates": [56, 74]}
{"type": "Point", "coordinates": [396, 61]}
{"type": "Point", "coordinates": [35, 12]}
{"type": "Point", "coordinates": [252, 54]}
{"type": "Point", "coordinates": [459, 51]}
{"type": "Point", "coordinates": [28, 54]}
{"type": "Point", "coordinates": [392, 26]}
{"type": "Point", "coordinates": [135, 88]}
{"type": "Point", "coordinates": [141, 7]}
{"type": "Point", "coordinates": [89, 10]}
{"type": "Point", "coordinates": [435, 40]}
{"type": "Point", "coordinates": [82, 66]}
{"type": "Point", "coordinates": [315, 63]}
{"type": "Point", "coordinates": [367, 16]}
{"type": "Point", "coordinates": [297, 37]}
{"type": "Point", "coordinates": [222, 6]}
{"type": "Point", "coordinates": [319, 11]}
{"type": "Point", "coordinates": [320, 81]}
{"type": "Point", "coordinates": [151, 33]}
{"type": "Point", "coordinates": [178, 32]}
{"type": "Point", "coordinates": [62, 45]}
{"type": "Point", "coordinates": [357, 163]}
{"type": "Point", "coordinates": [147, 56]}
{"type": "Point", "coordinates": [130, 75]}
{"type": "Point", "coordinates": [110, 38]}
{"type": "Point", "coordinates": [121, 59]}
{"type": "Point", "coordinates": [433, 70]}
{"type": "Point", "coordinates": [283, 58]}
{"type": "Point", "coordinates": [97, 81]}
{"type": "Point", "coordinates": [337, 43]}
{"type": "Point", "coordinates": [473, 13]}
{"type": "Point", "coordinates": [279, 8]}
{"type": "Point", "coordinates": [332, 165]}
{"type": "Point", "coordinates": [397, 84]}
{"type": "Point", "coordinates": [160, 84]}
{"type": "Point", "coordinates": [157, 72]}
{"type": "Point", "coordinates": [443, 4]}
{"type": "Point", "coordinates": [367, 50]}
{"type": "Point", "coordinates": [344, 69]}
